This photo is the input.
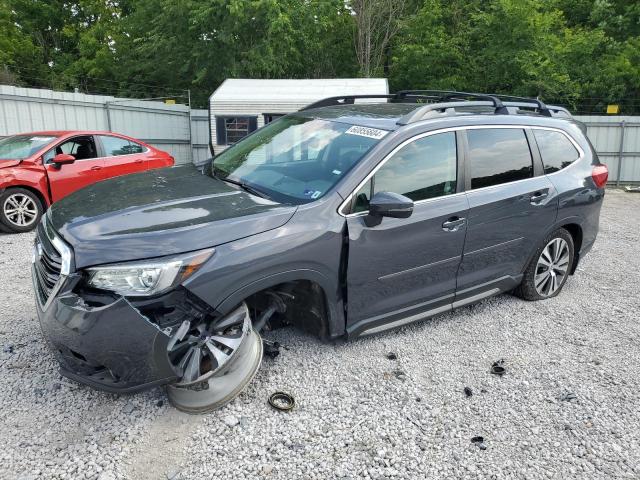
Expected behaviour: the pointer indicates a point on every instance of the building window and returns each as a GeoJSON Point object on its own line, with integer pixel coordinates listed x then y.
{"type": "Point", "coordinates": [270, 117]}
{"type": "Point", "coordinates": [230, 130]}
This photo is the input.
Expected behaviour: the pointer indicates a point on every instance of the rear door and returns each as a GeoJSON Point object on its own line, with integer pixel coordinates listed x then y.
{"type": "Point", "coordinates": [403, 268]}
{"type": "Point", "coordinates": [87, 169]}
{"type": "Point", "coordinates": [511, 206]}
{"type": "Point", "coordinates": [122, 156]}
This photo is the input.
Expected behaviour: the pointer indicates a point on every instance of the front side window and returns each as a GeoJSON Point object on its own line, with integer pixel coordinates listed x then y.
{"type": "Point", "coordinates": [498, 155]}
{"type": "Point", "coordinates": [230, 130]}
{"type": "Point", "coordinates": [19, 147]}
{"type": "Point", "coordinates": [556, 150]}
{"type": "Point", "coordinates": [422, 169]}
{"type": "Point", "coordinates": [82, 148]}
{"type": "Point", "coordinates": [116, 146]}
{"type": "Point", "coordinates": [296, 159]}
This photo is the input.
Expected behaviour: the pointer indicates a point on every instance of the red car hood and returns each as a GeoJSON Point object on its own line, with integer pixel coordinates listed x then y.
{"type": "Point", "coordinates": [4, 163]}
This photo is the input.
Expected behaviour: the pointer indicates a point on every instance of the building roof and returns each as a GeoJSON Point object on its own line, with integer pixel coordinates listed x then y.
{"type": "Point", "coordinates": [294, 91]}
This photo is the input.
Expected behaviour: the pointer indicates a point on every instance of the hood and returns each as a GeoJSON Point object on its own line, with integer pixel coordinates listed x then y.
{"type": "Point", "coordinates": [157, 213]}
{"type": "Point", "coordinates": [6, 163]}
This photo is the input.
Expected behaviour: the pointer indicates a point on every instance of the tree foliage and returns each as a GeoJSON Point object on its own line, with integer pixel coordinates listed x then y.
{"type": "Point", "coordinates": [583, 53]}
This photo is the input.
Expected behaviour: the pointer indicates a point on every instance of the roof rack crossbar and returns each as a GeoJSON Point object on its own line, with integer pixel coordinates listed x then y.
{"type": "Point", "coordinates": [442, 96]}
{"type": "Point", "coordinates": [542, 108]}
{"type": "Point", "coordinates": [419, 113]}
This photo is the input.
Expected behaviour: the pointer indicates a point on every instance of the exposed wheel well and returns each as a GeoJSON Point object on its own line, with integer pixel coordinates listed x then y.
{"type": "Point", "coordinates": [576, 233]}
{"type": "Point", "coordinates": [305, 302]}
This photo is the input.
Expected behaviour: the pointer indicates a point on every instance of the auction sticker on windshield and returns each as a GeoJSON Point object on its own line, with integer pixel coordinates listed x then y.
{"type": "Point", "coordinates": [367, 132]}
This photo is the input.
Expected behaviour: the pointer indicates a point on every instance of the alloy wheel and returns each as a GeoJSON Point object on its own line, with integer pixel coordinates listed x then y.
{"type": "Point", "coordinates": [20, 210]}
{"type": "Point", "coordinates": [552, 266]}
{"type": "Point", "coordinates": [199, 350]}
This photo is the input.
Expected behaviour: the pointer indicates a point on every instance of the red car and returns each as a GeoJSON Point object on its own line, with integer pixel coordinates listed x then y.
{"type": "Point", "coordinates": [37, 169]}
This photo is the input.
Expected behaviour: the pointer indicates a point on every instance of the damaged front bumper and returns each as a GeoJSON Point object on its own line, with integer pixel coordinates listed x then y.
{"type": "Point", "coordinates": [110, 346]}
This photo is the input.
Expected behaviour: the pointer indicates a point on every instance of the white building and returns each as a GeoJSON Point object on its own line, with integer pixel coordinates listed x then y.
{"type": "Point", "coordinates": [240, 106]}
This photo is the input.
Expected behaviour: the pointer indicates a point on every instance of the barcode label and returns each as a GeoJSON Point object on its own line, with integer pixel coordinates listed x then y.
{"type": "Point", "coordinates": [367, 132]}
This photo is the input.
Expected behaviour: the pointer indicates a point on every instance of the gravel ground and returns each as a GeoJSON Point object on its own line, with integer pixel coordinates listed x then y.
{"type": "Point", "coordinates": [567, 407]}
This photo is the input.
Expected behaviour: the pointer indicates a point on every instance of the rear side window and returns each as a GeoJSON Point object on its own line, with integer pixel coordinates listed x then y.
{"type": "Point", "coordinates": [425, 168]}
{"type": "Point", "coordinates": [116, 146]}
{"type": "Point", "coordinates": [498, 155]}
{"type": "Point", "coordinates": [556, 150]}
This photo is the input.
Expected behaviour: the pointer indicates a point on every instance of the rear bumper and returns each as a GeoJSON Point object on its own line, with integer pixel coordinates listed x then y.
{"type": "Point", "coordinates": [109, 347]}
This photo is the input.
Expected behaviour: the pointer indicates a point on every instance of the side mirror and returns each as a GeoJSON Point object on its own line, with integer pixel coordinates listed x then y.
{"type": "Point", "coordinates": [388, 204]}
{"type": "Point", "coordinates": [63, 158]}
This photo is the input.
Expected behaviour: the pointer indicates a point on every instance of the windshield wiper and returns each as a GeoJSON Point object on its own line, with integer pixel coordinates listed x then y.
{"type": "Point", "coordinates": [245, 186]}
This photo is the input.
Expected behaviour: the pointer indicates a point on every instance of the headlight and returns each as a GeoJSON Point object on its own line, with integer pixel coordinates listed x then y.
{"type": "Point", "coordinates": [149, 277]}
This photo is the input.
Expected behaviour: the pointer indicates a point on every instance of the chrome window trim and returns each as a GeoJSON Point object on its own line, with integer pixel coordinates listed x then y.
{"type": "Point", "coordinates": [446, 130]}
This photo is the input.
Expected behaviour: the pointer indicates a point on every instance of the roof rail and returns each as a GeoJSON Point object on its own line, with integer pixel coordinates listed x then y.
{"type": "Point", "coordinates": [343, 100]}
{"type": "Point", "coordinates": [446, 101]}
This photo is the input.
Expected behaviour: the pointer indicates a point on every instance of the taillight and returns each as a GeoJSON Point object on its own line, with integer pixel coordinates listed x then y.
{"type": "Point", "coordinates": [600, 175]}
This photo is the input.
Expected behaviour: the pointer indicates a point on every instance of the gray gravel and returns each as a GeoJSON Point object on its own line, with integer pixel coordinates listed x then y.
{"type": "Point", "coordinates": [567, 407]}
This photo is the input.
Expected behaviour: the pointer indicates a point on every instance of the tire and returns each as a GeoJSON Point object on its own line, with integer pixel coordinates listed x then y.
{"type": "Point", "coordinates": [20, 210]}
{"type": "Point", "coordinates": [540, 281]}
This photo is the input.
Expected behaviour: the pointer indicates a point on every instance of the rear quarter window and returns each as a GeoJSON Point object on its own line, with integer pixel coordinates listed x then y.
{"type": "Point", "coordinates": [556, 150]}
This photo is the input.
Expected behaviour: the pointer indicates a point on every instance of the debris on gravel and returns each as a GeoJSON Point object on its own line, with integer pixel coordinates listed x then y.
{"type": "Point", "coordinates": [352, 420]}
{"type": "Point", "coordinates": [231, 420]}
{"type": "Point", "coordinates": [498, 368]}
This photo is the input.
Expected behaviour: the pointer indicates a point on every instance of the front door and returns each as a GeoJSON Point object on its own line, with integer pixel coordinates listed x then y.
{"type": "Point", "coordinates": [403, 269]}
{"type": "Point", "coordinates": [511, 206]}
{"type": "Point", "coordinates": [87, 169]}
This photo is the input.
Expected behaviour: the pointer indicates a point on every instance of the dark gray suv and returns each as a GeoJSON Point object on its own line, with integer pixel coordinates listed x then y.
{"type": "Point", "coordinates": [345, 219]}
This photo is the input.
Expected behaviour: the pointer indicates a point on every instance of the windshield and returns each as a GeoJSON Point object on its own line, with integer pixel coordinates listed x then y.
{"type": "Point", "coordinates": [20, 147]}
{"type": "Point", "coordinates": [296, 159]}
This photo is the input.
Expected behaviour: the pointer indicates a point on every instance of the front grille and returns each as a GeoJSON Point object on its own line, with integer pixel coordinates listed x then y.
{"type": "Point", "coordinates": [47, 265]}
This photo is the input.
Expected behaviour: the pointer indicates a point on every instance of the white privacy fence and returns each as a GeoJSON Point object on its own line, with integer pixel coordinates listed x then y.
{"type": "Point", "coordinates": [164, 126]}
{"type": "Point", "coordinates": [186, 134]}
{"type": "Point", "coordinates": [617, 141]}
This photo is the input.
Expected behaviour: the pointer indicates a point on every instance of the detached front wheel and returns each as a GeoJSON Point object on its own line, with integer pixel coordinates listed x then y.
{"type": "Point", "coordinates": [20, 210]}
{"type": "Point", "coordinates": [216, 362]}
{"type": "Point", "coordinates": [549, 268]}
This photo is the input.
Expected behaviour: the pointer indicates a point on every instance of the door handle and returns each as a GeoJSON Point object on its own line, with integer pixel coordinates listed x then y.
{"type": "Point", "coordinates": [96, 167]}
{"type": "Point", "coordinates": [139, 160]}
{"type": "Point", "coordinates": [538, 197]}
{"type": "Point", "coordinates": [453, 224]}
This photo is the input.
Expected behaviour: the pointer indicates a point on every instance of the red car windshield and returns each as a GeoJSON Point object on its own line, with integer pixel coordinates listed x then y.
{"type": "Point", "coordinates": [19, 147]}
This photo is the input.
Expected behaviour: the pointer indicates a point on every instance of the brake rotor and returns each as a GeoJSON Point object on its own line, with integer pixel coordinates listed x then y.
{"type": "Point", "coordinates": [202, 391]}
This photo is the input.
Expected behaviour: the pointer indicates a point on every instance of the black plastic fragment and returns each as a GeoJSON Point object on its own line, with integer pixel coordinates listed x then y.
{"type": "Point", "coordinates": [271, 349]}
{"type": "Point", "coordinates": [479, 441]}
{"type": "Point", "coordinates": [497, 368]}
{"type": "Point", "coordinates": [392, 356]}
{"type": "Point", "coordinates": [400, 375]}
{"type": "Point", "coordinates": [468, 392]}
